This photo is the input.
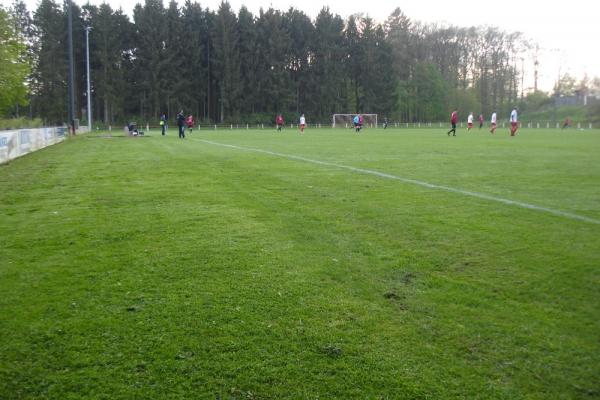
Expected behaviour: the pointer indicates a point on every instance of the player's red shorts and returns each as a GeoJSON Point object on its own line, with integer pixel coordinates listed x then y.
{"type": "Point", "coordinates": [514, 125]}
{"type": "Point", "coordinates": [302, 126]}
{"type": "Point", "coordinates": [470, 124]}
{"type": "Point", "coordinates": [493, 124]}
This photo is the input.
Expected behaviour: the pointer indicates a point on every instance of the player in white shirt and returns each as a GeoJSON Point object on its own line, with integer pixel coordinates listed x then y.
{"type": "Point", "coordinates": [302, 123]}
{"type": "Point", "coordinates": [514, 123]}
{"type": "Point", "coordinates": [470, 122]}
{"type": "Point", "coordinates": [493, 130]}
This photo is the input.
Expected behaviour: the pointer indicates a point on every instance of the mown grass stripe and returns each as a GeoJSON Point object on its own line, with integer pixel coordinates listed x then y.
{"type": "Point", "coordinates": [483, 196]}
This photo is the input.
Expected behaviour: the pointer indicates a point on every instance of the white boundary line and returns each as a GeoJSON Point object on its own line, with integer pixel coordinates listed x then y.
{"type": "Point", "coordinates": [414, 182]}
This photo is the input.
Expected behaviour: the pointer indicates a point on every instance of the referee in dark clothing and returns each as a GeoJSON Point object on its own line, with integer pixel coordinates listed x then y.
{"type": "Point", "coordinates": [181, 124]}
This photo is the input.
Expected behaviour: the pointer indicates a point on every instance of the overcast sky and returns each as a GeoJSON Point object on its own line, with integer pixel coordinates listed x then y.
{"type": "Point", "coordinates": [568, 31]}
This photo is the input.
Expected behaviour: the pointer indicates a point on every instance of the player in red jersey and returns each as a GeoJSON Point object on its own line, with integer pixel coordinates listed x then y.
{"type": "Point", "coordinates": [190, 123]}
{"type": "Point", "coordinates": [453, 121]}
{"type": "Point", "coordinates": [279, 121]}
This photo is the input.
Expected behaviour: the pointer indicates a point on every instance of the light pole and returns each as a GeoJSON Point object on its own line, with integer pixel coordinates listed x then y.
{"type": "Point", "coordinates": [89, 93]}
{"type": "Point", "coordinates": [70, 83]}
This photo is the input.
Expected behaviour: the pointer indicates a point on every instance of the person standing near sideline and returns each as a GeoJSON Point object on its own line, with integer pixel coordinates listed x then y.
{"type": "Point", "coordinates": [163, 123]}
{"type": "Point", "coordinates": [385, 123]}
{"type": "Point", "coordinates": [480, 121]}
{"type": "Point", "coordinates": [493, 122]}
{"type": "Point", "coordinates": [514, 122]}
{"type": "Point", "coordinates": [302, 124]}
{"type": "Point", "coordinates": [181, 124]}
{"type": "Point", "coordinates": [453, 121]}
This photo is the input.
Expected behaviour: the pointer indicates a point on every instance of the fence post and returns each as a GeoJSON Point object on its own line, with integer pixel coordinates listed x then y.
{"type": "Point", "coordinates": [246, 126]}
{"type": "Point", "coordinates": [110, 128]}
{"type": "Point", "coordinates": [547, 124]}
{"type": "Point", "coordinates": [215, 127]}
{"type": "Point", "coordinates": [579, 125]}
{"type": "Point", "coordinates": [538, 125]}
{"type": "Point", "coordinates": [590, 125]}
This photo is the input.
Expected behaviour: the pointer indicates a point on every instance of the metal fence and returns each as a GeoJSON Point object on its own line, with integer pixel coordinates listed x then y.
{"type": "Point", "coordinates": [399, 125]}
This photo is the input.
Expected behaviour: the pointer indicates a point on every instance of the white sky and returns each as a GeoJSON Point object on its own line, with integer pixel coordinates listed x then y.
{"type": "Point", "coordinates": [567, 31]}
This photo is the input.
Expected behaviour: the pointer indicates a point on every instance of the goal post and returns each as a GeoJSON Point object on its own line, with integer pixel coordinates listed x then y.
{"type": "Point", "coordinates": [346, 120]}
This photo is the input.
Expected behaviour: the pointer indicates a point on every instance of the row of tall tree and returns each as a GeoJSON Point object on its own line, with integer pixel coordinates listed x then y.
{"type": "Point", "coordinates": [222, 65]}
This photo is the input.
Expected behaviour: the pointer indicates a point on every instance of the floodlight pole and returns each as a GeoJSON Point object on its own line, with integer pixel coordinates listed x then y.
{"type": "Point", "coordinates": [89, 94]}
{"type": "Point", "coordinates": [70, 83]}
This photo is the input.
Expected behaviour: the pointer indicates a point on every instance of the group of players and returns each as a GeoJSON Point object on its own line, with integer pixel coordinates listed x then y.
{"type": "Point", "coordinates": [280, 122]}
{"type": "Point", "coordinates": [514, 124]}
{"type": "Point", "coordinates": [183, 123]}
{"type": "Point", "coordinates": [357, 121]}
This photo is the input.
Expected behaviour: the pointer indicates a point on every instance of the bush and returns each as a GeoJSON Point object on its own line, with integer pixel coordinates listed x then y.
{"type": "Point", "coordinates": [19, 123]}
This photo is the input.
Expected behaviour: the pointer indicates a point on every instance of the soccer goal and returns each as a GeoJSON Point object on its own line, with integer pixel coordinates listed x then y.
{"type": "Point", "coordinates": [345, 120]}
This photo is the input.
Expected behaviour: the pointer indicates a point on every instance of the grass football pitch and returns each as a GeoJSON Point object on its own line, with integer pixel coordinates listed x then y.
{"type": "Point", "coordinates": [397, 264]}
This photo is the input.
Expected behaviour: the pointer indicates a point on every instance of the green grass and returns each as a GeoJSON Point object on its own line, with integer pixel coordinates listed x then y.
{"type": "Point", "coordinates": [163, 268]}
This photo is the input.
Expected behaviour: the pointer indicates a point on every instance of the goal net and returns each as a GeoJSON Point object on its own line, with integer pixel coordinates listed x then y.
{"type": "Point", "coordinates": [345, 120]}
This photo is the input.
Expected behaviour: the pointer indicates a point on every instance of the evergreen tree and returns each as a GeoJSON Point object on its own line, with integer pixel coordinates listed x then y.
{"type": "Point", "coordinates": [193, 71]}
{"type": "Point", "coordinates": [248, 48]}
{"type": "Point", "coordinates": [151, 58]}
{"type": "Point", "coordinates": [276, 89]}
{"type": "Point", "coordinates": [329, 77]}
{"type": "Point", "coordinates": [226, 61]}
{"type": "Point", "coordinates": [49, 84]}
{"type": "Point", "coordinates": [301, 32]}
{"type": "Point", "coordinates": [353, 63]}
{"type": "Point", "coordinates": [109, 43]}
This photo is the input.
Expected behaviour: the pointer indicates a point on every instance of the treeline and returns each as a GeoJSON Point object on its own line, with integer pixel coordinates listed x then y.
{"type": "Point", "coordinates": [222, 65]}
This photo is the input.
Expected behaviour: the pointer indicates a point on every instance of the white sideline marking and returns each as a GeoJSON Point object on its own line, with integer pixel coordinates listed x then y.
{"type": "Point", "coordinates": [414, 182]}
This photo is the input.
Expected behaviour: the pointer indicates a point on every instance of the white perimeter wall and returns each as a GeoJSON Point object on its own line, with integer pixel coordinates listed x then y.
{"type": "Point", "coordinates": [16, 143]}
